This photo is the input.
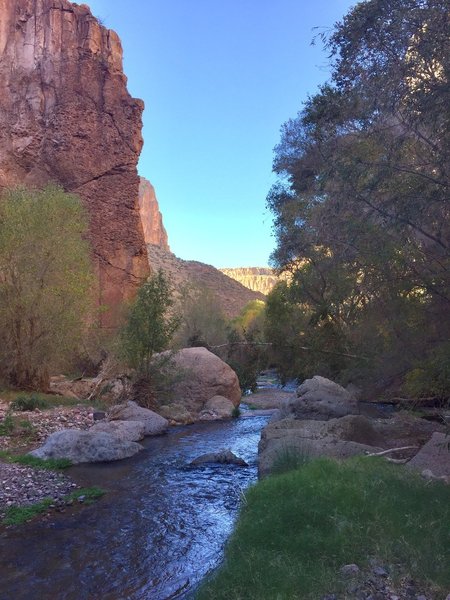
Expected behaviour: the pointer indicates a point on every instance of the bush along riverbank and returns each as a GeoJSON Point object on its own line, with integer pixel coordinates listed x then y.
{"type": "Point", "coordinates": [330, 530]}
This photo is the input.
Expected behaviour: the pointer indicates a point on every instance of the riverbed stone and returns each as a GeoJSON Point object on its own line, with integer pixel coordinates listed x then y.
{"type": "Point", "coordinates": [320, 398]}
{"type": "Point", "coordinates": [154, 424]}
{"type": "Point", "coordinates": [86, 447]}
{"type": "Point", "coordinates": [203, 375]}
{"type": "Point", "coordinates": [217, 407]}
{"type": "Point", "coordinates": [130, 431]}
{"type": "Point", "coordinates": [223, 457]}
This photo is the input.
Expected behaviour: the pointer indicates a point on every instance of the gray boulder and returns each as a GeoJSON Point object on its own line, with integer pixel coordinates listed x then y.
{"type": "Point", "coordinates": [203, 375]}
{"type": "Point", "coordinates": [320, 398]}
{"type": "Point", "coordinates": [127, 431]}
{"type": "Point", "coordinates": [153, 423]}
{"type": "Point", "coordinates": [223, 457]}
{"type": "Point", "coordinates": [85, 447]}
{"type": "Point", "coordinates": [434, 456]}
{"type": "Point", "coordinates": [337, 438]}
{"type": "Point", "coordinates": [217, 407]}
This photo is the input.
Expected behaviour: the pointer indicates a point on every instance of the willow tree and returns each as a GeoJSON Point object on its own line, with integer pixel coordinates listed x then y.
{"type": "Point", "coordinates": [45, 282]}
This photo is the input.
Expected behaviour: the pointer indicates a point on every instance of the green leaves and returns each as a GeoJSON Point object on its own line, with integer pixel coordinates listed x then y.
{"type": "Point", "coordinates": [150, 323]}
{"type": "Point", "coordinates": [361, 207]}
{"type": "Point", "coordinates": [45, 281]}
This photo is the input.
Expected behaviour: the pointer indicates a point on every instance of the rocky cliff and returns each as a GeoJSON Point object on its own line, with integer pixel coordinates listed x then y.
{"type": "Point", "coordinates": [66, 116]}
{"type": "Point", "coordinates": [258, 279]}
{"type": "Point", "coordinates": [151, 217]}
{"type": "Point", "coordinates": [231, 295]}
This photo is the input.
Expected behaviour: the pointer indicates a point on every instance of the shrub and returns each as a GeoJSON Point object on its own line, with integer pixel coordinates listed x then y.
{"type": "Point", "coordinates": [26, 402]}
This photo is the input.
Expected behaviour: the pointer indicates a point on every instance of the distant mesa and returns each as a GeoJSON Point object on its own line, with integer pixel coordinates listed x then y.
{"type": "Point", "coordinates": [231, 296]}
{"type": "Point", "coordinates": [66, 116]}
{"type": "Point", "coordinates": [258, 279]}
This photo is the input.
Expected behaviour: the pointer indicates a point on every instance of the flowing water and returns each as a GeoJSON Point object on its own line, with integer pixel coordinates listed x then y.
{"type": "Point", "coordinates": [158, 531]}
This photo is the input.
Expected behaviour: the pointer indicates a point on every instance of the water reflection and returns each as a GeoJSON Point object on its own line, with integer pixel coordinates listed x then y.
{"type": "Point", "coordinates": [161, 527]}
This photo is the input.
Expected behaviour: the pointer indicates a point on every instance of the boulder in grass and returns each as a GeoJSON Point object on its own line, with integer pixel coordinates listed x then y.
{"type": "Point", "coordinates": [154, 424]}
{"type": "Point", "coordinates": [85, 447]}
{"type": "Point", "coordinates": [434, 456]}
{"type": "Point", "coordinates": [128, 431]}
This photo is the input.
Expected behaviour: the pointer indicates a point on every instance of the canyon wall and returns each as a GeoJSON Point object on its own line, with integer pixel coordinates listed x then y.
{"type": "Point", "coordinates": [66, 116]}
{"type": "Point", "coordinates": [258, 279]}
{"type": "Point", "coordinates": [231, 296]}
{"type": "Point", "coordinates": [151, 217]}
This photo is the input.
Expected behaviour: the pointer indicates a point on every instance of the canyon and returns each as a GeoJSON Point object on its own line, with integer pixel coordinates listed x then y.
{"type": "Point", "coordinates": [66, 117]}
{"type": "Point", "coordinates": [230, 295]}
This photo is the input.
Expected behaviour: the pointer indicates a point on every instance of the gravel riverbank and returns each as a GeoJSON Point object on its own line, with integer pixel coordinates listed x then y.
{"type": "Point", "coordinates": [21, 485]}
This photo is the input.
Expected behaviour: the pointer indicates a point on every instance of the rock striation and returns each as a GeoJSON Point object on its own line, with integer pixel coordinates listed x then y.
{"type": "Point", "coordinates": [66, 116]}
{"type": "Point", "coordinates": [151, 217]}
{"type": "Point", "coordinates": [258, 279]}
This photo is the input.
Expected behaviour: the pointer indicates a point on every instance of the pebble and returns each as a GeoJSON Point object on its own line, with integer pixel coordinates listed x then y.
{"type": "Point", "coordinates": [22, 485]}
{"type": "Point", "coordinates": [349, 570]}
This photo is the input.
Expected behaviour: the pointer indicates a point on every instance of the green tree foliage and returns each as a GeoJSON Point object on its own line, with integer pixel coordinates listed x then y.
{"type": "Point", "coordinates": [246, 351]}
{"type": "Point", "coordinates": [202, 320]}
{"type": "Point", "coordinates": [150, 324]}
{"type": "Point", "coordinates": [45, 278]}
{"type": "Point", "coordinates": [361, 205]}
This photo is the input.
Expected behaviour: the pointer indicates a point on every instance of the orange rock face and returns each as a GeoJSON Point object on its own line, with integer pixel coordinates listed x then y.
{"type": "Point", "coordinates": [66, 116]}
{"type": "Point", "coordinates": [151, 217]}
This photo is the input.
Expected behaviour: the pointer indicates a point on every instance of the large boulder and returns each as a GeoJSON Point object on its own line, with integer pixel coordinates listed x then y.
{"type": "Point", "coordinates": [85, 447]}
{"type": "Point", "coordinates": [322, 399]}
{"type": "Point", "coordinates": [337, 438]}
{"type": "Point", "coordinates": [203, 375]}
{"type": "Point", "coordinates": [216, 408]}
{"type": "Point", "coordinates": [434, 456]}
{"type": "Point", "coordinates": [153, 423]}
{"type": "Point", "coordinates": [129, 431]}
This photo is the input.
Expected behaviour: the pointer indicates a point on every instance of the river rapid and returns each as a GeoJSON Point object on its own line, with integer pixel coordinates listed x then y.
{"type": "Point", "coordinates": [157, 532]}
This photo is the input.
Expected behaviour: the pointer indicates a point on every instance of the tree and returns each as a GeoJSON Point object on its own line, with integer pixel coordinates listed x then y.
{"type": "Point", "coordinates": [361, 206]}
{"type": "Point", "coordinates": [150, 324]}
{"type": "Point", "coordinates": [202, 320]}
{"type": "Point", "coordinates": [45, 282]}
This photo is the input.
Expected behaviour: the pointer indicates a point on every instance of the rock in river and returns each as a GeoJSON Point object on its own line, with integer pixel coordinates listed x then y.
{"type": "Point", "coordinates": [223, 457]}
{"type": "Point", "coordinates": [320, 398]}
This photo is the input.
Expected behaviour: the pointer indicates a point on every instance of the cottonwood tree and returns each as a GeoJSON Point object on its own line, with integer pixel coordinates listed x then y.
{"type": "Point", "coordinates": [361, 206]}
{"type": "Point", "coordinates": [45, 282]}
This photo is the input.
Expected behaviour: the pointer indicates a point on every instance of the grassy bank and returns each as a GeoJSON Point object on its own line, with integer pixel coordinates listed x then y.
{"type": "Point", "coordinates": [297, 529]}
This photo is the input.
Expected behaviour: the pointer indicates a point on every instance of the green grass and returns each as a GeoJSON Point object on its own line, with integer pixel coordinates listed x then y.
{"type": "Point", "coordinates": [37, 463]}
{"type": "Point", "coordinates": [297, 529]}
{"type": "Point", "coordinates": [16, 515]}
{"type": "Point", "coordinates": [290, 459]}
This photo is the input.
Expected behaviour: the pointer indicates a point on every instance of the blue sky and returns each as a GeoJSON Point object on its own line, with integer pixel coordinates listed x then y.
{"type": "Point", "coordinates": [218, 78]}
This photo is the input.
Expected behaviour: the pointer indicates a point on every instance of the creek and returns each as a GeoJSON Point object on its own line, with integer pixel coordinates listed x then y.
{"type": "Point", "coordinates": [159, 530]}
